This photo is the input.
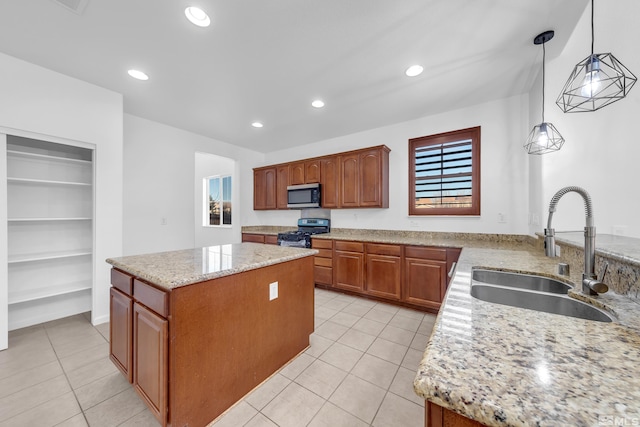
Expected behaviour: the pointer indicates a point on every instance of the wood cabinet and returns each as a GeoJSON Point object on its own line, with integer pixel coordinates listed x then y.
{"type": "Point", "coordinates": [330, 182]}
{"type": "Point", "coordinates": [412, 276]}
{"type": "Point", "coordinates": [374, 178]}
{"type": "Point", "coordinates": [348, 269]}
{"type": "Point", "coordinates": [383, 270]}
{"type": "Point", "coordinates": [312, 171]}
{"type": "Point", "coordinates": [269, 239]}
{"type": "Point", "coordinates": [350, 180]}
{"type": "Point", "coordinates": [264, 188]}
{"type": "Point", "coordinates": [353, 179]}
{"type": "Point", "coordinates": [190, 344]}
{"type": "Point", "coordinates": [150, 350]}
{"type": "Point", "coordinates": [323, 261]}
{"type": "Point", "coordinates": [253, 238]}
{"type": "Point", "coordinates": [282, 181]}
{"type": "Point", "coordinates": [296, 173]}
{"type": "Point", "coordinates": [425, 276]}
{"type": "Point", "coordinates": [138, 338]}
{"type": "Point", "coordinates": [120, 332]}
{"type": "Point", "coordinates": [437, 416]}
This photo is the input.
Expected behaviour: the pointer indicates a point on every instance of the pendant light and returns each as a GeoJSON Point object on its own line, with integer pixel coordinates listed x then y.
{"type": "Point", "coordinates": [543, 138]}
{"type": "Point", "coordinates": [597, 81]}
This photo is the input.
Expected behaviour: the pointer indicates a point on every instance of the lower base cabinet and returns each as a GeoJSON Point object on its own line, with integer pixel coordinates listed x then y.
{"type": "Point", "coordinates": [437, 416]}
{"type": "Point", "coordinates": [383, 276]}
{"type": "Point", "coordinates": [120, 332]}
{"type": "Point", "coordinates": [348, 271]}
{"type": "Point", "coordinates": [150, 349]}
{"type": "Point", "coordinates": [425, 276]}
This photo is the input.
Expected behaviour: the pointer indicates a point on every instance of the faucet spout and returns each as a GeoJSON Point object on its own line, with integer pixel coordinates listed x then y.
{"type": "Point", "coordinates": [590, 284]}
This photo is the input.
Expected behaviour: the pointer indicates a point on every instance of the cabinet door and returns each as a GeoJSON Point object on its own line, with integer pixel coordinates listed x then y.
{"type": "Point", "coordinates": [330, 182]}
{"type": "Point", "coordinates": [150, 350]}
{"type": "Point", "coordinates": [348, 270]}
{"type": "Point", "coordinates": [120, 329]}
{"type": "Point", "coordinates": [425, 282]}
{"type": "Point", "coordinates": [350, 181]}
{"type": "Point", "coordinates": [312, 171]}
{"type": "Point", "coordinates": [264, 189]}
{"type": "Point", "coordinates": [297, 173]}
{"type": "Point", "coordinates": [282, 180]}
{"type": "Point", "coordinates": [383, 276]}
{"type": "Point", "coordinates": [370, 178]}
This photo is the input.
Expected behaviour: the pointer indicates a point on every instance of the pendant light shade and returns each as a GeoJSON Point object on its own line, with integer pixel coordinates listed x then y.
{"type": "Point", "coordinates": [543, 138]}
{"type": "Point", "coordinates": [597, 81]}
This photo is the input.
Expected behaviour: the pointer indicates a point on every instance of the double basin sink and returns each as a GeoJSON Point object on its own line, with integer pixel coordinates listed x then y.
{"type": "Point", "coordinates": [531, 292]}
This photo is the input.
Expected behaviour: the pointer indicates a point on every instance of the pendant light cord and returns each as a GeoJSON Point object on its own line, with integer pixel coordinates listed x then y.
{"type": "Point", "coordinates": [544, 54]}
{"type": "Point", "coordinates": [592, 30]}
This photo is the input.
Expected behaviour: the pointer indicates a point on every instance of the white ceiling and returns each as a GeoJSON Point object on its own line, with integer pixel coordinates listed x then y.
{"type": "Point", "coordinates": [267, 60]}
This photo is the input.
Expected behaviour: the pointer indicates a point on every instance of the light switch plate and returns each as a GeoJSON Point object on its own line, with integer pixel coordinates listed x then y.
{"type": "Point", "coordinates": [273, 291]}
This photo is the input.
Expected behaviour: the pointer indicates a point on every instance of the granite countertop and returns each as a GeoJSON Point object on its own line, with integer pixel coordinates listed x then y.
{"type": "Point", "coordinates": [179, 268]}
{"type": "Point", "coordinates": [506, 366]}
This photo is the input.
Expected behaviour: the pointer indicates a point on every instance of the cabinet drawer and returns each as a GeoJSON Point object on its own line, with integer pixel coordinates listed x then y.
{"type": "Point", "coordinates": [122, 281]}
{"type": "Point", "coordinates": [425, 252]}
{"type": "Point", "coordinates": [325, 262]}
{"type": "Point", "coordinates": [151, 297]}
{"type": "Point", "coordinates": [271, 239]}
{"type": "Point", "coordinates": [324, 253]}
{"type": "Point", "coordinates": [255, 238]}
{"type": "Point", "coordinates": [392, 250]}
{"type": "Point", "coordinates": [321, 244]}
{"type": "Point", "coordinates": [350, 246]}
{"type": "Point", "coordinates": [323, 275]}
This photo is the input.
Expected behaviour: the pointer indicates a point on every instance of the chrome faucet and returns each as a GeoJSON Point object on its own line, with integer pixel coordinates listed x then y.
{"type": "Point", "coordinates": [590, 283]}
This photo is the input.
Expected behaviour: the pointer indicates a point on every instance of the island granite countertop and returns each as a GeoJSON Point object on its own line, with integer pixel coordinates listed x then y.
{"type": "Point", "coordinates": [179, 268]}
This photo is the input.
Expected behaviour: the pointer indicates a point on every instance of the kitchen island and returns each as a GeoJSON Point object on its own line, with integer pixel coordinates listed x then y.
{"type": "Point", "coordinates": [196, 330]}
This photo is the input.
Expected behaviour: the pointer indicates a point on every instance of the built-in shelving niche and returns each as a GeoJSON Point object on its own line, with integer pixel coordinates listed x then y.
{"type": "Point", "coordinates": [50, 230]}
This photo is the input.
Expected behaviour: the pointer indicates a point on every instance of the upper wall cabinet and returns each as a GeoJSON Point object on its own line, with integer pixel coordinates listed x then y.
{"type": "Point", "coordinates": [354, 179]}
{"type": "Point", "coordinates": [264, 188]}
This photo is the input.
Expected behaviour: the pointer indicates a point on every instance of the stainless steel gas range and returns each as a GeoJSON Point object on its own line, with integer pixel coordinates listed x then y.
{"type": "Point", "coordinates": [307, 227]}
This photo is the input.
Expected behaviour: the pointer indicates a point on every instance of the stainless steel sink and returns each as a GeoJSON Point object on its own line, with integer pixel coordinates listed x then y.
{"type": "Point", "coordinates": [516, 294]}
{"type": "Point", "coordinates": [520, 281]}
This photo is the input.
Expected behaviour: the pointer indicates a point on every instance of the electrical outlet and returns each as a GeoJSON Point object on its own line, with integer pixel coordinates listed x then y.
{"type": "Point", "coordinates": [502, 218]}
{"type": "Point", "coordinates": [273, 291]}
{"type": "Point", "coordinates": [619, 230]}
{"type": "Point", "coordinates": [414, 224]}
{"type": "Point", "coordinates": [163, 221]}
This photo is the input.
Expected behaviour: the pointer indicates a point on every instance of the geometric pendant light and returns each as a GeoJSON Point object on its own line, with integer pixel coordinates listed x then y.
{"type": "Point", "coordinates": [543, 138]}
{"type": "Point", "coordinates": [597, 81]}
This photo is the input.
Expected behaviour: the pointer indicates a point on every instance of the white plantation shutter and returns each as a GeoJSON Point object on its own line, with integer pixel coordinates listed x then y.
{"type": "Point", "coordinates": [444, 174]}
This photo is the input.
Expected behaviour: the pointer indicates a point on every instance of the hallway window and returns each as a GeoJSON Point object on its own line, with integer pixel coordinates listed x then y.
{"type": "Point", "coordinates": [218, 200]}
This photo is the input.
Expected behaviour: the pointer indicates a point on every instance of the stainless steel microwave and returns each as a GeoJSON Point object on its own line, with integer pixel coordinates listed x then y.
{"type": "Point", "coordinates": [303, 196]}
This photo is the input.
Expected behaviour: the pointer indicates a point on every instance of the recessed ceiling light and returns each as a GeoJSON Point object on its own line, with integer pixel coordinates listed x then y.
{"type": "Point", "coordinates": [257, 124]}
{"type": "Point", "coordinates": [197, 16]}
{"type": "Point", "coordinates": [137, 74]}
{"type": "Point", "coordinates": [414, 70]}
{"type": "Point", "coordinates": [318, 103]}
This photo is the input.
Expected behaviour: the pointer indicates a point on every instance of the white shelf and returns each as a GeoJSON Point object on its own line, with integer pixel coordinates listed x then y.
{"type": "Point", "coordinates": [46, 182]}
{"type": "Point", "coordinates": [36, 294]}
{"type": "Point", "coordinates": [43, 256]}
{"type": "Point", "coordinates": [48, 219]}
{"type": "Point", "coordinates": [14, 153]}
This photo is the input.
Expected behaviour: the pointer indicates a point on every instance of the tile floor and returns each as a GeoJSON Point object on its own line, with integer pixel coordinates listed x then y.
{"type": "Point", "coordinates": [358, 371]}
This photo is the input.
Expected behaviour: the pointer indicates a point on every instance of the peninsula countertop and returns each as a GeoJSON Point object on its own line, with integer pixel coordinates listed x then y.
{"type": "Point", "coordinates": [179, 268]}
{"type": "Point", "coordinates": [505, 366]}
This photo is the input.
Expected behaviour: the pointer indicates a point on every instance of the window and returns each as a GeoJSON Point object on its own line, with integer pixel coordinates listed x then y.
{"type": "Point", "coordinates": [444, 173]}
{"type": "Point", "coordinates": [218, 201]}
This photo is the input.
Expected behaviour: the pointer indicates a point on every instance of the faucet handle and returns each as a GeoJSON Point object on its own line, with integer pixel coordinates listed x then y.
{"type": "Point", "coordinates": [604, 271]}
